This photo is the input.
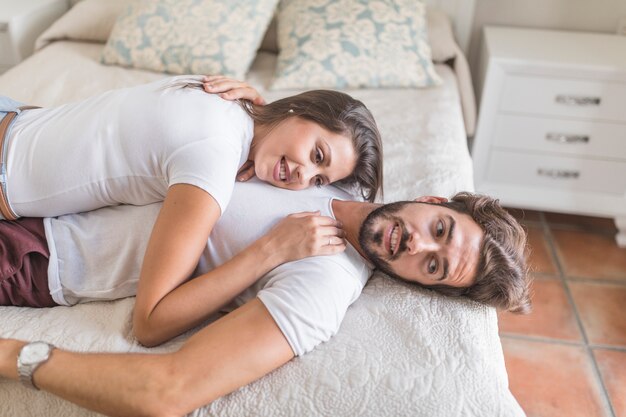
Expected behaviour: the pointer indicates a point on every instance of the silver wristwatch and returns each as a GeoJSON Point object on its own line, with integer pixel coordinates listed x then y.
{"type": "Point", "coordinates": [30, 358]}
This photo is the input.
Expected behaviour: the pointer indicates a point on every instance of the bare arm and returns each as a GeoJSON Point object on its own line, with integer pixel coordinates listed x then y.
{"type": "Point", "coordinates": [231, 352]}
{"type": "Point", "coordinates": [168, 306]}
{"type": "Point", "coordinates": [178, 237]}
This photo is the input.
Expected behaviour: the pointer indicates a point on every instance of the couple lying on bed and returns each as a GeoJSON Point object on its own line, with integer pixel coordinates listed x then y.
{"type": "Point", "coordinates": [468, 246]}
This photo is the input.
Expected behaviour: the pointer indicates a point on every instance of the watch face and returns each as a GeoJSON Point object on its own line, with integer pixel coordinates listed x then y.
{"type": "Point", "coordinates": [34, 353]}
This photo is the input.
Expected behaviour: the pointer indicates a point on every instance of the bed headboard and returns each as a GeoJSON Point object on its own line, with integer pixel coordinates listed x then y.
{"type": "Point", "coordinates": [461, 13]}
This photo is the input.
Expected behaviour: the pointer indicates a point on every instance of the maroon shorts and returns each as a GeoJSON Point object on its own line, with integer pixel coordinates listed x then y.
{"type": "Point", "coordinates": [24, 264]}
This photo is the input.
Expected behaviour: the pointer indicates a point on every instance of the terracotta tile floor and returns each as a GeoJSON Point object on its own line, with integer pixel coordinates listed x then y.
{"type": "Point", "coordinates": [568, 357]}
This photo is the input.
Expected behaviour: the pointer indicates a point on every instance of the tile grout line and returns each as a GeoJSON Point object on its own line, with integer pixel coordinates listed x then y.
{"type": "Point", "coordinates": [609, 347]}
{"type": "Point", "coordinates": [584, 280]}
{"type": "Point", "coordinates": [608, 406]}
{"type": "Point", "coordinates": [561, 272]}
{"type": "Point", "coordinates": [565, 342]}
{"type": "Point", "coordinates": [602, 281]}
{"type": "Point", "coordinates": [572, 228]}
{"type": "Point", "coordinates": [542, 339]}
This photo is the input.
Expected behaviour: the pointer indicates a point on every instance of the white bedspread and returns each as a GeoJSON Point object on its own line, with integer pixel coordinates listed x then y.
{"type": "Point", "coordinates": [400, 352]}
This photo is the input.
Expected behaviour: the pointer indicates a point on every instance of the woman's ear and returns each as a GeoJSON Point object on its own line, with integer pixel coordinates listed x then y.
{"type": "Point", "coordinates": [430, 199]}
{"type": "Point", "coordinates": [246, 171]}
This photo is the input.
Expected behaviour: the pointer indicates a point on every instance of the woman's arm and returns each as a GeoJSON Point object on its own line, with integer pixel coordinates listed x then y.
{"type": "Point", "coordinates": [165, 308]}
{"type": "Point", "coordinates": [178, 237]}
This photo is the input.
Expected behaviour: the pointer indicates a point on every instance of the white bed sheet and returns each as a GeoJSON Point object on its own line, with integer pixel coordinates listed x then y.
{"type": "Point", "coordinates": [400, 352]}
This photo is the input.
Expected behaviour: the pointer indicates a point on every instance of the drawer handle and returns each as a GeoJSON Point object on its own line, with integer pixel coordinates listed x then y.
{"type": "Point", "coordinates": [558, 173]}
{"type": "Point", "coordinates": [565, 138]}
{"type": "Point", "coordinates": [577, 100]}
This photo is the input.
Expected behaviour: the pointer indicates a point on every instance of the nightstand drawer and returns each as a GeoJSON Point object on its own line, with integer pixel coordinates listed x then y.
{"type": "Point", "coordinates": [568, 137]}
{"type": "Point", "coordinates": [557, 172]}
{"type": "Point", "coordinates": [564, 97]}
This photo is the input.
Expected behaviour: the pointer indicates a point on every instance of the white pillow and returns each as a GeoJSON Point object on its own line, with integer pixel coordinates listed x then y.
{"type": "Point", "coordinates": [88, 20]}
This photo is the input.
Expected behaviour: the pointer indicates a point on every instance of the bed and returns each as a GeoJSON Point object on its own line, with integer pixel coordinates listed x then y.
{"type": "Point", "coordinates": [401, 351]}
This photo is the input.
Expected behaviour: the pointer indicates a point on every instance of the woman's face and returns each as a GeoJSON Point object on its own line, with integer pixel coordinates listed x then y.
{"type": "Point", "coordinates": [298, 154]}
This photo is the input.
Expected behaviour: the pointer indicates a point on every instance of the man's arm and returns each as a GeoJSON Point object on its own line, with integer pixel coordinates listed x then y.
{"type": "Point", "coordinates": [229, 353]}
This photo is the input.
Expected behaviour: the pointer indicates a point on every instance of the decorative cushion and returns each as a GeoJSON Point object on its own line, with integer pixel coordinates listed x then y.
{"type": "Point", "coordinates": [353, 44]}
{"type": "Point", "coordinates": [440, 36]}
{"type": "Point", "coordinates": [189, 36]}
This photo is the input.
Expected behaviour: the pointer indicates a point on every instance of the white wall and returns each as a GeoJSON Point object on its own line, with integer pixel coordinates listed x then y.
{"type": "Point", "coordinates": [578, 15]}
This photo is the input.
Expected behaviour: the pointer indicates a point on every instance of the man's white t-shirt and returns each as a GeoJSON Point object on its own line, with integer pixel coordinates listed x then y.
{"type": "Point", "coordinates": [98, 256]}
{"type": "Point", "coordinates": [125, 146]}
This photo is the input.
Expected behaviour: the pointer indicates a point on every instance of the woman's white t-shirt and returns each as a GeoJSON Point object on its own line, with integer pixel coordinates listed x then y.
{"type": "Point", "coordinates": [125, 146]}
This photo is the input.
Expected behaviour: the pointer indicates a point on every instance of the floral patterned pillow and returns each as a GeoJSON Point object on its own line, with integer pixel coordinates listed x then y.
{"type": "Point", "coordinates": [352, 44]}
{"type": "Point", "coordinates": [189, 36]}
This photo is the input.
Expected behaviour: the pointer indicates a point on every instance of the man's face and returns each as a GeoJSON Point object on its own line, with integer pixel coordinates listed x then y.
{"type": "Point", "coordinates": [423, 243]}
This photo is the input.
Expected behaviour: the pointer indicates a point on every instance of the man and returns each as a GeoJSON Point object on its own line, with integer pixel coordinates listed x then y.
{"type": "Point", "coordinates": [296, 306]}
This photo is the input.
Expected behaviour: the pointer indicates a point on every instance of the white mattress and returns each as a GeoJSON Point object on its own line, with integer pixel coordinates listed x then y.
{"type": "Point", "coordinates": [400, 352]}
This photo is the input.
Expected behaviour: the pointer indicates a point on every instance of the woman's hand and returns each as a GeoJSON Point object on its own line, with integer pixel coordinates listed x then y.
{"type": "Point", "coordinates": [305, 234]}
{"type": "Point", "coordinates": [230, 89]}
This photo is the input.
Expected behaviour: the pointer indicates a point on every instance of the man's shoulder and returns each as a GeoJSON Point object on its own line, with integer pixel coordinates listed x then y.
{"type": "Point", "coordinates": [344, 269]}
{"type": "Point", "coordinates": [308, 298]}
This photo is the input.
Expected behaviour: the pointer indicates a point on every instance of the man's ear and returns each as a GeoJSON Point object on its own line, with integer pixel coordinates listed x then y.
{"type": "Point", "coordinates": [430, 199]}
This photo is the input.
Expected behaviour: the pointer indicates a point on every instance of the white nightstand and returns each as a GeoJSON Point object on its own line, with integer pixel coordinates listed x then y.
{"type": "Point", "coordinates": [552, 124]}
{"type": "Point", "coordinates": [21, 21]}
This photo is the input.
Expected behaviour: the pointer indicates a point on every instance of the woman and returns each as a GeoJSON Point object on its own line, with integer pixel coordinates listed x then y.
{"type": "Point", "coordinates": [127, 146]}
{"type": "Point", "coordinates": [170, 141]}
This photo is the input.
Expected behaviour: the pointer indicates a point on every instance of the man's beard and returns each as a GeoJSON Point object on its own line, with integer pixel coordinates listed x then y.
{"type": "Point", "coordinates": [370, 236]}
